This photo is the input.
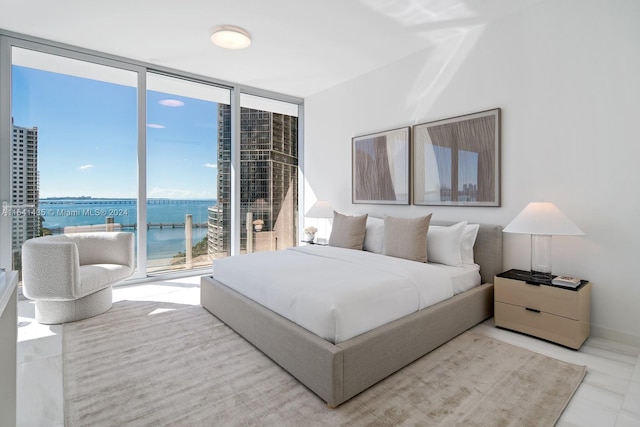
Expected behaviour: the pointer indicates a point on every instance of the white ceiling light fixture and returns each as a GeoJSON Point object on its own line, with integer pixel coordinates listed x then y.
{"type": "Point", "coordinates": [230, 37]}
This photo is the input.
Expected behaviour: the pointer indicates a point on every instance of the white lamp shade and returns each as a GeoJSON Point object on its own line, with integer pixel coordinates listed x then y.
{"type": "Point", "coordinates": [543, 218]}
{"type": "Point", "coordinates": [320, 209]}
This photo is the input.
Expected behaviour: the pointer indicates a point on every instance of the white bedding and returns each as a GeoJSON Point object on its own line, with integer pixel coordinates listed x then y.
{"type": "Point", "coordinates": [463, 278]}
{"type": "Point", "coordinates": [338, 293]}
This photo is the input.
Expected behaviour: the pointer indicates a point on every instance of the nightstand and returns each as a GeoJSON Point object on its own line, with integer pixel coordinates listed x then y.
{"type": "Point", "coordinates": [536, 307]}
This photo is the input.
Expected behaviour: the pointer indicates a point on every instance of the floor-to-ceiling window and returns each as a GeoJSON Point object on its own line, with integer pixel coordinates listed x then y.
{"type": "Point", "coordinates": [268, 174]}
{"type": "Point", "coordinates": [99, 143]}
{"type": "Point", "coordinates": [73, 147]}
{"type": "Point", "coordinates": [182, 170]}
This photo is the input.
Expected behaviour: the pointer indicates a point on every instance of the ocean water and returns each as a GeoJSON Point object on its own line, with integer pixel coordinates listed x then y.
{"type": "Point", "coordinates": [162, 242]}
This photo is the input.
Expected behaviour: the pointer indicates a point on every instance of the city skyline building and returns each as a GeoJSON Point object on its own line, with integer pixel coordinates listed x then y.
{"type": "Point", "coordinates": [25, 188]}
{"type": "Point", "coordinates": [268, 182]}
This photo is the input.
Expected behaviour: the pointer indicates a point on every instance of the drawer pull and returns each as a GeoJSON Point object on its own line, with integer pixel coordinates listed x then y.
{"type": "Point", "coordinates": [532, 309]}
{"type": "Point", "coordinates": [532, 283]}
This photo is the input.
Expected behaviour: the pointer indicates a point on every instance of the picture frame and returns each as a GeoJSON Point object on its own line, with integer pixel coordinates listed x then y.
{"type": "Point", "coordinates": [456, 161]}
{"type": "Point", "coordinates": [381, 167]}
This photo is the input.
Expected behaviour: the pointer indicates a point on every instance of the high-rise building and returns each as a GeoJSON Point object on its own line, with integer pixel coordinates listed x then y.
{"type": "Point", "coordinates": [25, 186]}
{"type": "Point", "coordinates": [268, 182]}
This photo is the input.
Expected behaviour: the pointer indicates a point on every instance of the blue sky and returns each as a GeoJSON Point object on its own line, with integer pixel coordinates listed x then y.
{"type": "Point", "coordinates": [87, 138]}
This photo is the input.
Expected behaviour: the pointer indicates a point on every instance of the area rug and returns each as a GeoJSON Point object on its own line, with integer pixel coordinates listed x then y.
{"type": "Point", "coordinates": [166, 364]}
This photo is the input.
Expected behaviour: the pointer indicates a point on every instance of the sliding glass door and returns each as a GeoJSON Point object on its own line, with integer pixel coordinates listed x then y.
{"type": "Point", "coordinates": [268, 199]}
{"type": "Point", "coordinates": [268, 174]}
{"type": "Point", "coordinates": [182, 170]}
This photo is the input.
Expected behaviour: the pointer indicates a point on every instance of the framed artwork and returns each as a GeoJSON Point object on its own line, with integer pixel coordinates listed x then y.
{"type": "Point", "coordinates": [456, 161]}
{"type": "Point", "coordinates": [380, 169]}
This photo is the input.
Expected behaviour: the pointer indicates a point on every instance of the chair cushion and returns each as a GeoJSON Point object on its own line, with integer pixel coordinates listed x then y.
{"type": "Point", "coordinates": [94, 277]}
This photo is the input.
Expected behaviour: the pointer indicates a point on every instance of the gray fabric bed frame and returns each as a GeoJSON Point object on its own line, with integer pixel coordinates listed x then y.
{"type": "Point", "coordinates": [336, 373]}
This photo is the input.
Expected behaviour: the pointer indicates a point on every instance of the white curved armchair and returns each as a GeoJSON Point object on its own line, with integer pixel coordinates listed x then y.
{"type": "Point", "coordinates": [70, 275]}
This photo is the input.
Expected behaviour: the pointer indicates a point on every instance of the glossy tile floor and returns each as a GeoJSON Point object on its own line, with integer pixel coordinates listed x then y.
{"type": "Point", "coordinates": [608, 396]}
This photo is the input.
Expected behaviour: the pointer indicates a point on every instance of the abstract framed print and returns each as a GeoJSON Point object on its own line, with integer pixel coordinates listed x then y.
{"type": "Point", "coordinates": [456, 161]}
{"type": "Point", "coordinates": [380, 169]}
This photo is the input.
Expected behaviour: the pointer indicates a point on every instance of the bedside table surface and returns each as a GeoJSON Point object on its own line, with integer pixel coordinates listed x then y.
{"type": "Point", "coordinates": [526, 276]}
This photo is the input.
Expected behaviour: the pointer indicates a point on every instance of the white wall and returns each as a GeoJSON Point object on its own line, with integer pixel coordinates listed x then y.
{"type": "Point", "coordinates": [567, 77]}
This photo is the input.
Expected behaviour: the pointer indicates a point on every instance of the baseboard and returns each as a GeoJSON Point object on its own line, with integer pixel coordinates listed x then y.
{"type": "Point", "coordinates": [613, 335]}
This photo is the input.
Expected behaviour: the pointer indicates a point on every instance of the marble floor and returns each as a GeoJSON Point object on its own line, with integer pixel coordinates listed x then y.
{"type": "Point", "coordinates": [608, 396]}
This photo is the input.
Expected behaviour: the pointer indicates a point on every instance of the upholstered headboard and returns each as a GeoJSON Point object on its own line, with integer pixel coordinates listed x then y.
{"type": "Point", "coordinates": [487, 252]}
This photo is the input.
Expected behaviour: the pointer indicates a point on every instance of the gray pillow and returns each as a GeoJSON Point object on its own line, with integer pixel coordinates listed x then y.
{"type": "Point", "coordinates": [348, 231]}
{"type": "Point", "coordinates": [406, 237]}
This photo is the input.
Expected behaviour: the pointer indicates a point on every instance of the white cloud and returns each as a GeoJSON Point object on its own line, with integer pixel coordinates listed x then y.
{"type": "Point", "coordinates": [210, 165]}
{"type": "Point", "coordinates": [86, 167]}
{"type": "Point", "coordinates": [171, 102]}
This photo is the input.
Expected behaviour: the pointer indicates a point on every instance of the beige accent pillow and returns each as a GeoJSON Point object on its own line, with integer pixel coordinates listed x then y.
{"type": "Point", "coordinates": [406, 237]}
{"type": "Point", "coordinates": [348, 231]}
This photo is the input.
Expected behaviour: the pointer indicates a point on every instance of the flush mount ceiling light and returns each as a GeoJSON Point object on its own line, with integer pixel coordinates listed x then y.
{"type": "Point", "coordinates": [230, 37]}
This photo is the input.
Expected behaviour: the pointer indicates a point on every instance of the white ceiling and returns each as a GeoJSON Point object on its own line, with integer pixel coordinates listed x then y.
{"type": "Point", "coordinates": [300, 47]}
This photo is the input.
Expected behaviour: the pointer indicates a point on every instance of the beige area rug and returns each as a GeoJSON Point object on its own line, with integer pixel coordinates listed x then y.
{"type": "Point", "coordinates": [161, 364]}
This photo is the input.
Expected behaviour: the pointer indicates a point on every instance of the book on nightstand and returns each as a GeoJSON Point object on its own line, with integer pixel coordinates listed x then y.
{"type": "Point", "coordinates": [568, 282]}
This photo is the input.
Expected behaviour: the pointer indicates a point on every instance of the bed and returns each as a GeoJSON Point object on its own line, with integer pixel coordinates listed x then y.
{"type": "Point", "coordinates": [337, 371]}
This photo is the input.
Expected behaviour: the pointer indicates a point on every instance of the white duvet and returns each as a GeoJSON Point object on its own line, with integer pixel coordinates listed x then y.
{"type": "Point", "coordinates": [335, 293]}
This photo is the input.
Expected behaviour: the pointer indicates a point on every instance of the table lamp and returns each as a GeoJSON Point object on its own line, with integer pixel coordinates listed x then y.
{"type": "Point", "coordinates": [321, 209]}
{"type": "Point", "coordinates": [542, 220]}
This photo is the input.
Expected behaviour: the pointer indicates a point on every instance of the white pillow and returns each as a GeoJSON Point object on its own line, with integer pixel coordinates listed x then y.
{"type": "Point", "coordinates": [468, 240]}
{"type": "Point", "coordinates": [443, 244]}
{"type": "Point", "coordinates": [374, 235]}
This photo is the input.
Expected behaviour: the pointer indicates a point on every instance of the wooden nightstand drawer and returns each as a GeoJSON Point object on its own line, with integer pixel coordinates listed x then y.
{"type": "Point", "coordinates": [553, 313]}
{"type": "Point", "coordinates": [568, 332]}
{"type": "Point", "coordinates": [561, 302]}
